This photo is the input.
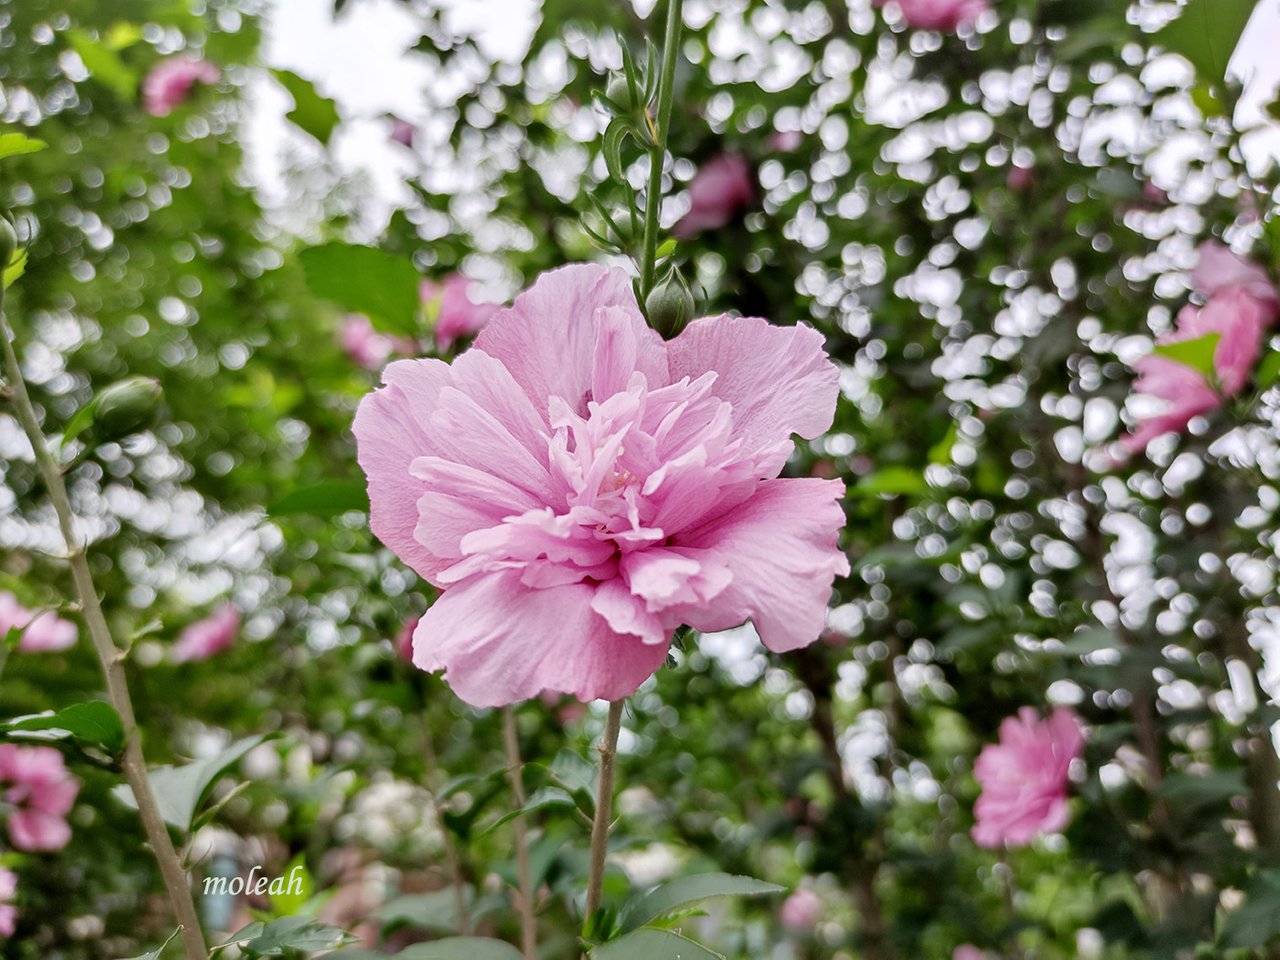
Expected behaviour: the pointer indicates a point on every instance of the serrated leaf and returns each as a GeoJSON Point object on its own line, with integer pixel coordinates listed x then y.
{"type": "Point", "coordinates": [94, 721]}
{"type": "Point", "coordinates": [1206, 33]}
{"type": "Point", "coordinates": [104, 64]}
{"type": "Point", "coordinates": [683, 891]}
{"type": "Point", "coordinates": [180, 790]}
{"type": "Point", "coordinates": [18, 144]}
{"type": "Point", "coordinates": [326, 499]}
{"type": "Point", "coordinates": [1196, 354]}
{"type": "Point", "coordinates": [649, 944]}
{"type": "Point", "coordinates": [380, 285]}
{"type": "Point", "coordinates": [1256, 922]}
{"type": "Point", "coordinates": [312, 112]}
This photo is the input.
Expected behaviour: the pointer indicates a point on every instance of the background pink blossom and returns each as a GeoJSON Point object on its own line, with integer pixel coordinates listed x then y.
{"type": "Point", "coordinates": [169, 83]}
{"type": "Point", "coordinates": [722, 187]}
{"type": "Point", "coordinates": [457, 315]}
{"type": "Point", "coordinates": [1025, 776]}
{"type": "Point", "coordinates": [801, 911]}
{"type": "Point", "coordinates": [366, 346]}
{"type": "Point", "coordinates": [8, 912]}
{"type": "Point", "coordinates": [44, 633]}
{"type": "Point", "coordinates": [578, 488]}
{"type": "Point", "coordinates": [205, 638]}
{"type": "Point", "coordinates": [35, 783]}
{"type": "Point", "coordinates": [944, 15]}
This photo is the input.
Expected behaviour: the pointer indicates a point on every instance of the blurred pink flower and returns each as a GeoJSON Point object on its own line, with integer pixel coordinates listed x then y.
{"type": "Point", "coordinates": [169, 83]}
{"type": "Point", "coordinates": [784, 141]}
{"type": "Point", "coordinates": [457, 315]}
{"type": "Point", "coordinates": [8, 912]}
{"type": "Point", "coordinates": [44, 633]}
{"type": "Point", "coordinates": [801, 911]}
{"type": "Point", "coordinates": [1021, 177]}
{"type": "Point", "coordinates": [578, 488]}
{"type": "Point", "coordinates": [1242, 305]}
{"type": "Point", "coordinates": [1024, 778]}
{"type": "Point", "coordinates": [945, 15]}
{"type": "Point", "coordinates": [967, 951]}
{"type": "Point", "coordinates": [35, 783]}
{"type": "Point", "coordinates": [366, 346]}
{"type": "Point", "coordinates": [402, 131]}
{"type": "Point", "coordinates": [205, 638]}
{"type": "Point", "coordinates": [722, 187]}
{"type": "Point", "coordinates": [404, 640]}
{"type": "Point", "coordinates": [1153, 194]}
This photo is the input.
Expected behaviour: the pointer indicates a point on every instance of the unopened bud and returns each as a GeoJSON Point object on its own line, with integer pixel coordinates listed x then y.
{"type": "Point", "coordinates": [669, 304]}
{"type": "Point", "coordinates": [126, 407]}
{"type": "Point", "coordinates": [618, 91]}
{"type": "Point", "coordinates": [8, 243]}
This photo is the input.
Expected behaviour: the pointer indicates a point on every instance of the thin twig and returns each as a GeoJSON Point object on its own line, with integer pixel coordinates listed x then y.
{"type": "Point", "coordinates": [110, 657]}
{"type": "Point", "coordinates": [528, 923]}
{"type": "Point", "coordinates": [604, 806]}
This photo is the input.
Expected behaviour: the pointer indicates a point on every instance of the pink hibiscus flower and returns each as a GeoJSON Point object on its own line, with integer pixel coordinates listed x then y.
{"type": "Point", "coordinates": [40, 634]}
{"type": "Point", "coordinates": [35, 783]}
{"type": "Point", "coordinates": [1025, 776]}
{"type": "Point", "coordinates": [1242, 304]}
{"type": "Point", "coordinates": [578, 488]}
{"type": "Point", "coordinates": [170, 82]}
{"type": "Point", "coordinates": [722, 187]}
{"type": "Point", "coordinates": [967, 951]}
{"type": "Point", "coordinates": [8, 912]}
{"type": "Point", "coordinates": [457, 315]}
{"type": "Point", "coordinates": [366, 346]}
{"type": "Point", "coordinates": [945, 15]}
{"type": "Point", "coordinates": [205, 638]}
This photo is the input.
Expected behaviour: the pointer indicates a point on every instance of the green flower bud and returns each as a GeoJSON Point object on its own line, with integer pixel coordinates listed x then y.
{"type": "Point", "coordinates": [127, 406]}
{"type": "Point", "coordinates": [669, 304]}
{"type": "Point", "coordinates": [8, 243]}
{"type": "Point", "coordinates": [618, 92]}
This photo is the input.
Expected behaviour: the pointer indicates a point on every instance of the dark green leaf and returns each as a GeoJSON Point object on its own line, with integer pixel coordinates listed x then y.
{"type": "Point", "coordinates": [326, 499]}
{"type": "Point", "coordinates": [1206, 33]}
{"type": "Point", "coordinates": [381, 285]}
{"type": "Point", "coordinates": [650, 944]}
{"type": "Point", "coordinates": [1257, 921]}
{"type": "Point", "coordinates": [436, 911]}
{"type": "Point", "coordinates": [315, 114]}
{"type": "Point", "coordinates": [541, 800]}
{"type": "Point", "coordinates": [295, 933]}
{"type": "Point", "coordinates": [94, 721]}
{"type": "Point", "coordinates": [683, 891]}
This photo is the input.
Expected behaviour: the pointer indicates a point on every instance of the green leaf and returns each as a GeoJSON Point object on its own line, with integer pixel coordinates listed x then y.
{"type": "Point", "coordinates": [381, 285]}
{"type": "Point", "coordinates": [1257, 921]}
{"type": "Point", "coordinates": [892, 481]}
{"type": "Point", "coordinates": [104, 65]}
{"type": "Point", "coordinates": [156, 953]}
{"type": "Point", "coordinates": [1196, 354]}
{"type": "Point", "coordinates": [180, 791]}
{"type": "Point", "coordinates": [288, 903]}
{"type": "Point", "coordinates": [665, 249]}
{"type": "Point", "coordinates": [80, 421]}
{"type": "Point", "coordinates": [436, 911]}
{"type": "Point", "coordinates": [17, 144]}
{"type": "Point", "coordinates": [541, 800]}
{"type": "Point", "coordinates": [94, 721]}
{"type": "Point", "coordinates": [649, 944]}
{"type": "Point", "coordinates": [676, 894]}
{"type": "Point", "coordinates": [1191, 790]}
{"type": "Point", "coordinates": [462, 948]}
{"type": "Point", "coordinates": [295, 933]}
{"type": "Point", "coordinates": [326, 499]}
{"type": "Point", "coordinates": [940, 452]}
{"type": "Point", "coordinates": [1269, 370]}
{"type": "Point", "coordinates": [16, 268]}
{"type": "Point", "coordinates": [315, 114]}
{"type": "Point", "coordinates": [1206, 33]}
{"type": "Point", "coordinates": [575, 773]}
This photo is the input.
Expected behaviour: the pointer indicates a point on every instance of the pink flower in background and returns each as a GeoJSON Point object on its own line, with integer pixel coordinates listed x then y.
{"type": "Point", "coordinates": [967, 951]}
{"type": "Point", "coordinates": [1153, 194]}
{"type": "Point", "coordinates": [578, 488]}
{"type": "Point", "coordinates": [35, 783]}
{"type": "Point", "coordinates": [784, 141]}
{"type": "Point", "coordinates": [1242, 304]}
{"type": "Point", "coordinates": [366, 346]}
{"type": "Point", "coordinates": [44, 633]}
{"type": "Point", "coordinates": [169, 83]}
{"type": "Point", "coordinates": [457, 315]}
{"type": "Point", "coordinates": [1021, 177]}
{"type": "Point", "coordinates": [402, 131]}
{"type": "Point", "coordinates": [801, 911]}
{"type": "Point", "coordinates": [8, 912]}
{"type": "Point", "coordinates": [722, 187]}
{"type": "Point", "coordinates": [404, 640]}
{"type": "Point", "coordinates": [1024, 778]}
{"type": "Point", "coordinates": [945, 15]}
{"type": "Point", "coordinates": [205, 638]}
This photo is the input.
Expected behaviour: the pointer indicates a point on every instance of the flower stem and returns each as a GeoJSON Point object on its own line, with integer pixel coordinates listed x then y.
{"type": "Point", "coordinates": [528, 924]}
{"type": "Point", "coordinates": [658, 152]}
{"type": "Point", "coordinates": [604, 806]}
{"type": "Point", "coordinates": [110, 656]}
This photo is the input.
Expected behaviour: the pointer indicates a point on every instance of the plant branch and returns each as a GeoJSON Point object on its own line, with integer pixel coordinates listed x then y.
{"type": "Point", "coordinates": [528, 923]}
{"type": "Point", "coordinates": [451, 860]}
{"type": "Point", "coordinates": [604, 806]}
{"type": "Point", "coordinates": [110, 657]}
{"type": "Point", "coordinates": [658, 152]}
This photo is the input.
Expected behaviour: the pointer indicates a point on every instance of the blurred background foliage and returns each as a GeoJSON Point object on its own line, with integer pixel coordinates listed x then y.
{"type": "Point", "coordinates": [984, 321]}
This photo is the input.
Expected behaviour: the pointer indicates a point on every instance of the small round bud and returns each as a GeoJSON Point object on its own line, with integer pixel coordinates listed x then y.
{"type": "Point", "coordinates": [126, 407]}
{"type": "Point", "coordinates": [8, 243]}
{"type": "Point", "coordinates": [669, 304]}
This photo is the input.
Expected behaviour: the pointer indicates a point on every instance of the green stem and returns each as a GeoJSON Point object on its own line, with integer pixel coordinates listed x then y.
{"type": "Point", "coordinates": [110, 657]}
{"type": "Point", "coordinates": [658, 152]}
{"type": "Point", "coordinates": [604, 807]}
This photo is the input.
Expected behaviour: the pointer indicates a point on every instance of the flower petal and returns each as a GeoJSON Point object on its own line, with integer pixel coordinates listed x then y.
{"type": "Point", "coordinates": [781, 549]}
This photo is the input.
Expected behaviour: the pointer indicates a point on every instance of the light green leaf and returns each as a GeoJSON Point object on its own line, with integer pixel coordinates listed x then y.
{"type": "Point", "coordinates": [1256, 922]}
{"type": "Point", "coordinates": [1269, 370]}
{"type": "Point", "coordinates": [1206, 33]}
{"type": "Point", "coordinates": [649, 944]}
{"type": "Point", "coordinates": [542, 799]}
{"type": "Point", "coordinates": [94, 721]}
{"type": "Point", "coordinates": [288, 903]}
{"type": "Point", "coordinates": [158, 951]}
{"type": "Point", "coordinates": [16, 268]}
{"type": "Point", "coordinates": [381, 285]}
{"type": "Point", "coordinates": [683, 891]}
{"type": "Point", "coordinates": [892, 481]}
{"type": "Point", "coordinates": [1196, 354]}
{"type": "Point", "coordinates": [104, 64]}
{"type": "Point", "coordinates": [436, 911]}
{"type": "Point", "coordinates": [326, 499]}
{"type": "Point", "coordinates": [940, 452]}
{"type": "Point", "coordinates": [180, 791]}
{"type": "Point", "coordinates": [17, 144]}
{"type": "Point", "coordinates": [462, 948]}
{"type": "Point", "coordinates": [315, 114]}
